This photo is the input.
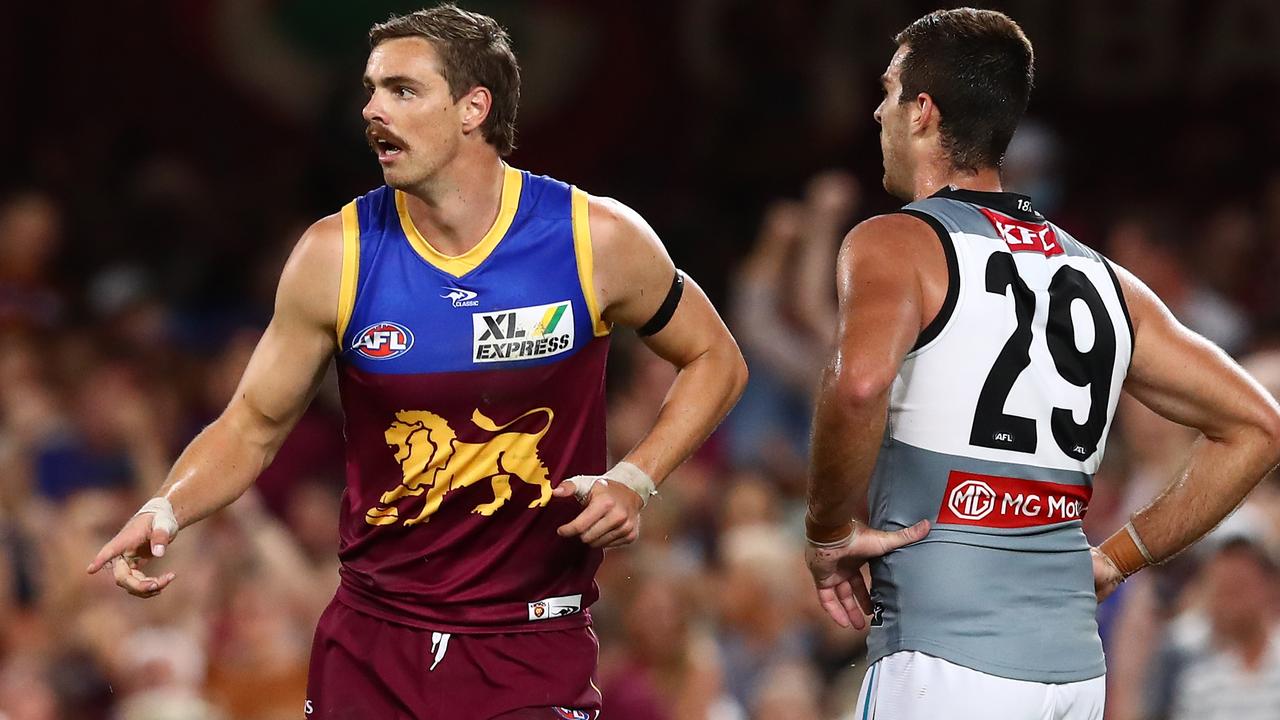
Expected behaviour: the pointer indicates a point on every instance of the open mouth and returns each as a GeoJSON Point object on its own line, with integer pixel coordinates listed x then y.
{"type": "Point", "coordinates": [386, 148]}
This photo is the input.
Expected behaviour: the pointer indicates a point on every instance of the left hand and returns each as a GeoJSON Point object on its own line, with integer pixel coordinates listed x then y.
{"type": "Point", "coordinates": [611, 517]}
{"type": "Point", "coordinates": [1106, 577]}
{"type": "Point", "coordinates": [837, 572]}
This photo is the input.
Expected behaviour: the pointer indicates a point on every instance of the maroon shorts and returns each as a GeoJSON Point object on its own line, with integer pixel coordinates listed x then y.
{"type": "Point", "coordinates": [363, 668]}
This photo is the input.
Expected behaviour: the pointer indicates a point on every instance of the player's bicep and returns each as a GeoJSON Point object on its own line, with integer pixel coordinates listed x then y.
{"type": "Point", "coordinates": [294, 352]}
{"type": "Point", "coordinates": [634, 278]}
{"type": "Point", "coordinates": [1181, 375]}
{"type": "Point", "coordinates": [633, 272]}
{"type": "Point", "coordinates": [693, 329]}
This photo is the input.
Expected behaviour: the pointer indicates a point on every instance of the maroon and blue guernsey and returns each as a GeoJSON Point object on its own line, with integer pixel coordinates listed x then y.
{"type": "Point", "coordinates": [472, 385]}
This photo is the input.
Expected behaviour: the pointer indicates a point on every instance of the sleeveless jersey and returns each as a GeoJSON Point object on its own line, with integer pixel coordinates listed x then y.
{"type": "Point", "coordinates": [471, 386]}
{"type": "Point", "coordinates": [997, 422]}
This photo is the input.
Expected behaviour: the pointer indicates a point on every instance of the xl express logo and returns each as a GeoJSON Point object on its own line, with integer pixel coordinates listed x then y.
{"type": "Point", "coordinates": [383, 341]}
{"type": "Point", "coordinates": [522, 333]}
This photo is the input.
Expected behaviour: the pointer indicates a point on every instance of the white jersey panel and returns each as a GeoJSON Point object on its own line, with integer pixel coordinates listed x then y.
{"type": "Point", "coordinates": [982, 349]}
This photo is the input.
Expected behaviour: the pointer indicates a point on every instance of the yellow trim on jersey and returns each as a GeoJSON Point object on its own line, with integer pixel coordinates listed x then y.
{"type": "Point", "coordinates": [582, 248]}
{"type": "Point", "coordinates": [459, 265]}
{"type": "Point", "coordinates": [350, 268]}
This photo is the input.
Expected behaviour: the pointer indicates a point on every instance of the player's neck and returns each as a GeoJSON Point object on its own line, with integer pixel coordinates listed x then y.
{"type": "Point", "coordinates": [455, 209]}
{"type": "Point", "coordinates": [937, 177]}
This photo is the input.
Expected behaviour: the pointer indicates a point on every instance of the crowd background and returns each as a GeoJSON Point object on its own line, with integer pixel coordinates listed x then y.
{"type": "Point", "coordinates": [158, 160]}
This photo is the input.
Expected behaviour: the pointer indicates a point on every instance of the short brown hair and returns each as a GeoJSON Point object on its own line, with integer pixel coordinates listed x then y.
{"type": "Point", "coordinates": [475, 51]}
{"type": "Point", "coordinates": [978, 66]}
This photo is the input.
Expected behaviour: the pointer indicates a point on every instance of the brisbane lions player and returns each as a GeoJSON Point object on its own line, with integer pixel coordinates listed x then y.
{"type": "Point", "coordinates": [468, 306]}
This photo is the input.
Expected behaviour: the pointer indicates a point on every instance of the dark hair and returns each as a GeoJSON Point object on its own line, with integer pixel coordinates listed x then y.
{"type": "Point", "coordinates": [475, 51]}
{"type": "Point", "coordinates": [978, 66]}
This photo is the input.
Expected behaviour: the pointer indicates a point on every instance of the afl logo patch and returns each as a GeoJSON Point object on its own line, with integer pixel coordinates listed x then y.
{"type": "Point", "coordinates": [383, 341]}
{"type": "Point", "coordinates": [571, 714]}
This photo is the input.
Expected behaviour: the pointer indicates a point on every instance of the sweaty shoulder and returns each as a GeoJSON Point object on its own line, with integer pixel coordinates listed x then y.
{"type": "Point", "coordinates": [902, 243]}
{"type": "Point", "coordinates": [309, 283]}
{"type": "Point", "coordinates": [899, 231]}
{"type": "Point", "coordinates": [632, 269]}
{"type": "Point", "coordinates": [900, 247]}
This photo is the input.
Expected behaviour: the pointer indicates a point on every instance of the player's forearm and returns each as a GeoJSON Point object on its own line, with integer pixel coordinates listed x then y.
{"type": "Point", "coordinates": [702, 394]}
{"type": "Point", "coordinates": [1218, 476]}
{"type": "Point", "coordinates": [219, 465]}
{"type": "Point", "coordinates": [848, 427]}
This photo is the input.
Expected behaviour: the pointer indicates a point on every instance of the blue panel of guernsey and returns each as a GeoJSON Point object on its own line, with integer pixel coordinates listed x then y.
{"type": "Point", "coordinates": [516, 300]}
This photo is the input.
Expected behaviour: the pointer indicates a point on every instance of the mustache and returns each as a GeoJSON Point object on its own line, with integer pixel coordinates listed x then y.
{"type": "Point", "coordinates": [374, 132]}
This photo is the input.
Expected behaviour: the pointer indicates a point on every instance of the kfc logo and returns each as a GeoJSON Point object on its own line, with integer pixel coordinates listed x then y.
{"type": "Point", "coordinates": [1023, 236]}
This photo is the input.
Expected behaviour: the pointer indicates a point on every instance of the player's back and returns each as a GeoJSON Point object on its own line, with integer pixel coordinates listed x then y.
{"type": "Point", "coordinates": [470, 385]}
{"type": "Point", "coordinates": [998, 420]}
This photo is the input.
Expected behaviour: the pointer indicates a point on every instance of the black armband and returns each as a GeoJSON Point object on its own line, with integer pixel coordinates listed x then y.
{"type": "Point", "coordinates": [666, 310]}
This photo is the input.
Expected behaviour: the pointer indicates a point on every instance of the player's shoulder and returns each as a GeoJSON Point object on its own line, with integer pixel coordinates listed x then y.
{"type": "Point", "coordinates": [322, 241]}
{"type": "Point", "coordinates": [309, 282]}
{"type": "Point", "coordinates": [616, 228]}
{"type": "Point", "coordinates": [897, 224]}
{"type": "Point", "coordinates": [889, 238]}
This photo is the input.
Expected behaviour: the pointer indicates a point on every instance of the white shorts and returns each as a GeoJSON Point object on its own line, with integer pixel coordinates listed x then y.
{"type": "Point", "coordinates": [910, 685]}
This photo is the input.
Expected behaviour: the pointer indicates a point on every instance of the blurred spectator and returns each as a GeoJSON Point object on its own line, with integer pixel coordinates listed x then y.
{"type": "Point", "coordinates": [30, 237]}
{"type": "Point", "coordinates": [1152, 245]}
{"type": "Point", "coordinates": [782, 311]}
{"type": "Point", "coordinates": [1222, 660]}
{"type": "Point", "coordinates": [763, 583]}
{"type": "Point", "coordinates": [1032, 166]}
{"type": "Point", "coordinates": [671, 667]}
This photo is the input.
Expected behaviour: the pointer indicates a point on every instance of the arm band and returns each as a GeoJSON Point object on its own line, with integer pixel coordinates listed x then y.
{"type": "Point", "coordinates": [668, 308]}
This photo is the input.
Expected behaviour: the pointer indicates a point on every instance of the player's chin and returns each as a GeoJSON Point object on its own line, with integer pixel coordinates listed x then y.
{"type": "Point", "coordinates": [396, 178]}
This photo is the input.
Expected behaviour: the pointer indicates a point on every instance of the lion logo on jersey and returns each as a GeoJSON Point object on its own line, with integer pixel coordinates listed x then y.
{"type": "Point", "coordinates": [434, 461]}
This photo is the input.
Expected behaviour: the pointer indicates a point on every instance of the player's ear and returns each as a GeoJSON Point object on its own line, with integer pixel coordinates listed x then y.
{"type": "Point", "coordinates": [474, 107]}
{"type": "Point", "coordinates": [924, 113]}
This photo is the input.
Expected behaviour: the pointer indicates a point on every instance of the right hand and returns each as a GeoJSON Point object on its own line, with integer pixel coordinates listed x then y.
{"type": "Point", "coordinates": [837, 572]}
{"type": "Point", "coordinates": [136, 543]}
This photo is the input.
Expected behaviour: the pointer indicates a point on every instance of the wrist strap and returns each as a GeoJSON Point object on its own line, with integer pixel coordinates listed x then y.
{"type": "Point", "coordinates": [1142, 547]}
{"type": "Point", "coordinates": [1126, 551]}
{"type": "Point", "coordinates": [624, 473]}
{"type": "Point", "coordinates": [826, 536]}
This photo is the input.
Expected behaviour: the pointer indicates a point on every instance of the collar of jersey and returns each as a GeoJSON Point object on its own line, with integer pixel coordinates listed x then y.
{"type": "Point", "coordinates": [1005, 202]}
{"type": "Point", "coordinates": [459, 265]}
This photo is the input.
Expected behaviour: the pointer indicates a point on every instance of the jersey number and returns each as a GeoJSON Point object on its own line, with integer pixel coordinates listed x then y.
{"type": "Point", "coordinates": [994, 428]}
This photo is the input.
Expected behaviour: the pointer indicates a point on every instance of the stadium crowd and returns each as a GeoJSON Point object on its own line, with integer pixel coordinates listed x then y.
{"type": "Point", "coordinates": [137, 267]}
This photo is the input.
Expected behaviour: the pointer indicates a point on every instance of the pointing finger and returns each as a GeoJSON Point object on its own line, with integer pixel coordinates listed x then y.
{"type": "Point", "coordinates": [114, 548]}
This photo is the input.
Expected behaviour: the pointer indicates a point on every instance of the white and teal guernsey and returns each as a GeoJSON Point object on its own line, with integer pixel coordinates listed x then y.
{"type": "Point", "coordinates": [997, 422]}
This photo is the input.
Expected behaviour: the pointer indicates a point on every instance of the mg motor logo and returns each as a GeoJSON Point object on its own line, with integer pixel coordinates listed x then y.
{"type": "Point", "coordinates": [972, 500]}
{"type": "Point", "coordinates": [383, 341]}
{"type": "Point", "coordinates": [1003, 502]}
